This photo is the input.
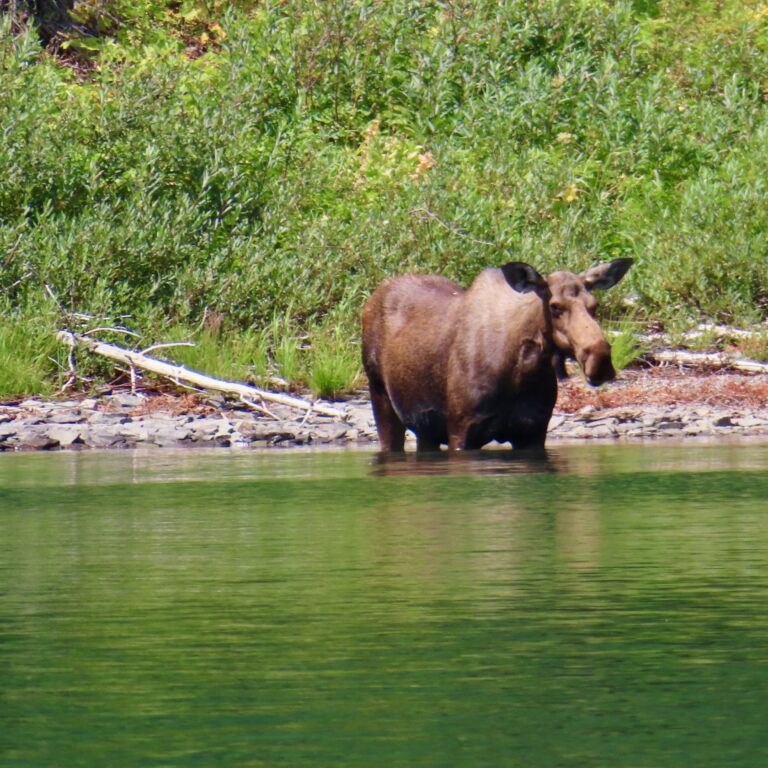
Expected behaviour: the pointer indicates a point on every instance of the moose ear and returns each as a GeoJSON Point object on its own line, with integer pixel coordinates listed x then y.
{"type": "Point", "coordinates": [522, 277]}
{"type": "Point", "coordinates": [605, 276]}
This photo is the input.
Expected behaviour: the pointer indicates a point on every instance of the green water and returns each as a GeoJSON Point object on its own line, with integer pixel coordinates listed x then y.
{"type": "Point", "coordinates": [604, 606]}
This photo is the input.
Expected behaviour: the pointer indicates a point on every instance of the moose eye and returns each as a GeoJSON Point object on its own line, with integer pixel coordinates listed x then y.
{"type": "Point", "coordinates": [556, 309]}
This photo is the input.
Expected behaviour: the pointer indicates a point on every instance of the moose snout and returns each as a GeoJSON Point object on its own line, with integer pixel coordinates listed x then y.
{"type": "Point", "coordinates": [596, 363]}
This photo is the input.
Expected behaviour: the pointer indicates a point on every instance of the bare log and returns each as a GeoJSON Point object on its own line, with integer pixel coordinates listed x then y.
{"type": "Point", "coordinates": [707, 360]}
{"type": "Point", "coordinates": [178, 372]}
{"type": "Point", "coordinates": [703, 330]}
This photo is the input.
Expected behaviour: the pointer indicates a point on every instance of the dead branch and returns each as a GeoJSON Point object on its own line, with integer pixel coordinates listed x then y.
{"type": "Point", "coordinates": [138, 360]}
{"type": "Point", "coordinates": [166, 345]}
{"type": "Point", "coordinates": [262, 409]}
{"type": "Point", "coordinates": [707, 360]}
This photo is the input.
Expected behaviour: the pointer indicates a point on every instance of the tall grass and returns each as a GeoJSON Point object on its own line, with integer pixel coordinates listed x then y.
{"type": "Point", "coordinates": [334, 366]}
{"type": "Point", "coordinates": [235, 356]}
{"type": "Point", "coordinates": [29, 363]}
{"type": "Point", "coordinates": [310, 149]}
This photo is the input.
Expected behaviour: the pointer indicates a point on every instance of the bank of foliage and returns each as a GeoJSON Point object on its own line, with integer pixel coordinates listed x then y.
{"type": "Point", "coordinates": [220, 168]}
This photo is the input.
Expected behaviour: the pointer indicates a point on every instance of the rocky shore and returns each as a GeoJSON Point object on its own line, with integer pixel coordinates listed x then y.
{"type": "Point", "coordinates": [639, 406]}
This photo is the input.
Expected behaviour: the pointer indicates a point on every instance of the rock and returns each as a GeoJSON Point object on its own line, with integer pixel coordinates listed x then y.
{"type": "Point", "coordinates": [166, 431]}
{"type": "Point", "coordinates": [125, 402]}
{"type": "Point", "coordinates": [133, 431]}
{"type": "Point", "coordinates": [216, 399]}
{"type": "Point", "coordinates": [66, 436]}
{"type": "Point", "coordinates": [601, 430]}
{"type": "Point", "coordinates": [555, 422]}
{"type": "Point", "coordinates": [100, 419]}
{"type": "Point", "coordinates": [38, 443]}
{"type": "Point", "coordinates": [8, 429]}
{"type": "Point", "coordinates": [669, 424]}
{"type": "Point", "coordinates": [32, 404]}
{"type": "Point", "coordinates": [205, 427]}
{"type": "Point", "coordinates": [329, 434]}
{"type": "Point", "coordinates": [74, 416]}
{"type": "Point", "coordinates": [750, 422]}
{"type": "Point", "coordinates": [266, 430]}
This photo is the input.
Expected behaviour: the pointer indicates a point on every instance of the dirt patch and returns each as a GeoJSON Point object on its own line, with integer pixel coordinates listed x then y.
{"type": "Point", "coordinates": [664, 386]}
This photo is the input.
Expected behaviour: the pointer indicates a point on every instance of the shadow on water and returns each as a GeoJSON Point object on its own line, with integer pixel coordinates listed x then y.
{"type": "Point", "coordinates": [444, 463]}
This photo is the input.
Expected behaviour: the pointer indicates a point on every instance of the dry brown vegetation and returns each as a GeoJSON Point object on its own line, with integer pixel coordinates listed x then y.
{"type": "Point", "coordinates": [666, 385]}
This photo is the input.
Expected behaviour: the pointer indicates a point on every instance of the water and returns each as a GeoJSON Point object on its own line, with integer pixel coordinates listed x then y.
{"type": "Point", "coordinates": [603, 606]}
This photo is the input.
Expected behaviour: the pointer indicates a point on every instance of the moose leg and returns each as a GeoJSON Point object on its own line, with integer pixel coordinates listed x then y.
{"type": "Point", "coordinates": [533, 441]}
{"type": "Point", "coordinates": [458, 437]}
{"type": "Point", "coordinates": [467, 434]}
{"type": "Point", "coordinates": [424, 444]}
{"type": "Point", "coordinates": [391, 430]}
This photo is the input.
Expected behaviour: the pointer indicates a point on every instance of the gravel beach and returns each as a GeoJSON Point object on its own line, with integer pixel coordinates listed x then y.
{"type": "Point", "coordinates": [648, 404]}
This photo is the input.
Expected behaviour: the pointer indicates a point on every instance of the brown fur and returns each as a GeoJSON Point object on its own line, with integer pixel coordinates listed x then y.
{"type": "Point", "coordinates": [465, 368]}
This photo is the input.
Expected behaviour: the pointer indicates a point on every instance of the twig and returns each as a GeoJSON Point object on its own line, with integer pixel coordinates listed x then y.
{"type": "Point", "coordinates": [307, 414]}
{"type": "Point", "coordinates": [51, 293]}
{"type": "Point", "coordinates": [426, 212]}
{"type": "Point", "coordinates": [115, 329]}
{"type": "Point", "coordinates": [260, 408]}
{"type": "Point", "coordinates": [183, 385]}
{"type": "Point", "coordinates": [72, 371]}
{"type": "Point", "coordinates": [24, 277]}
{"type": "Point", "coordinates": [202, 322]}
{"type": "Point", "coordinates": [134, 378]}
{"type": "Point", "coordinates": [168, 344]}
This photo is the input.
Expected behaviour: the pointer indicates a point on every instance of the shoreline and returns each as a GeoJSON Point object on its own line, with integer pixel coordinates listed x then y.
{"type": "Point", "coordinates": [639, 406]}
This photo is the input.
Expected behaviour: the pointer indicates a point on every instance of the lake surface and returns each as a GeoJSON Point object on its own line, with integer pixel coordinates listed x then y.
{"type": "Point", "coordinates": [601, 606]}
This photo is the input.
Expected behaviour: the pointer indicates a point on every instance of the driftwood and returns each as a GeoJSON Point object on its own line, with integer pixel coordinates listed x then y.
{"type": "Point", "coordinates": [702, 331]}
{"type": "Point", "coordinates": [180, 374]}
{"type": "Point", "coordinates": [707, 360]}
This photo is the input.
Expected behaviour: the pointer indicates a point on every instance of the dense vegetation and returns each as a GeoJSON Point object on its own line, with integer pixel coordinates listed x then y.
{"type": "Point", "coordinates": [245, 173]}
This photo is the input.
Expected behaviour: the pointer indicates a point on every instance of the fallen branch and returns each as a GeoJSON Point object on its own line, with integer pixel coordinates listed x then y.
{"type": "Point", "coordinates": [170, 371]}
{"type": "Point", "coordinates": [702, 331]}
{"type": "Point", "coordinates": [707, 360]}
{"type": "Point", "coordinates": [262, 409]}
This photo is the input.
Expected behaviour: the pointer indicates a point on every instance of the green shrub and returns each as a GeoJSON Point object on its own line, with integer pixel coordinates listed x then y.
{"type": "Point", "coordinates": [270, 163]}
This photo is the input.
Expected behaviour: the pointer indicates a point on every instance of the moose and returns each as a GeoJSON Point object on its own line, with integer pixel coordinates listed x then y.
{"type": "Point", "coordinates": [469, 367]}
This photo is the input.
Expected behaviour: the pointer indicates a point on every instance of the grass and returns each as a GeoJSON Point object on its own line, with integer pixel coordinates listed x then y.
{"type": "Point", "coordinates": [307, 150]}
{"type": "Point", "coordinates": [755, 347]}
{"type": "Point", "coordinates": [278, 356]}
{"type": "Point", "coordinates": [626, 346]}
{"type": "Point", "coordinates": [334, 366]}
{"type": "Point", "coordinates": [286, 343]}
{"type": "Point", "coordinates": [238, 356]}
{"type": "Point", "coordinates": [28, 364]}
